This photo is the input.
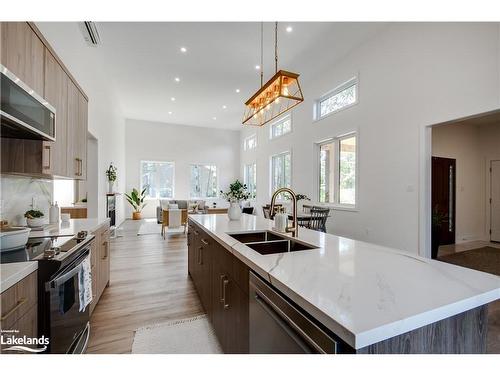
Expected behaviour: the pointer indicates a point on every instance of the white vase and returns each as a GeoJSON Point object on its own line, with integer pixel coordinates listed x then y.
{"type": "Point", "coordinates": [234, 211]}
{"type": "Point", "coordinates": [110, 186]}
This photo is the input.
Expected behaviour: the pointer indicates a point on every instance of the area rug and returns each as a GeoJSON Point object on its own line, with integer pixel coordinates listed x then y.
{"type": "Point", "coordinates": [486, 259]}
{"type": "Point", "coordinates": [186, 336]}
{"type": "Point", "coordinates": [149, 226]}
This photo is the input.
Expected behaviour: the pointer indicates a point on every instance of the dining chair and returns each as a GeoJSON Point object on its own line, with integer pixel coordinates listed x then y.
{"type": "Point", "coordinates": [267, 210]}
{"type": "Point", "coordinates": [247, 210]}
{"type": "Point", "coordinates": [319, 215]}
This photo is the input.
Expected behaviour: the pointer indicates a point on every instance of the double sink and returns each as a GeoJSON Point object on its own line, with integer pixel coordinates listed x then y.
{"type": "Point", "coordinates": [266, 242]}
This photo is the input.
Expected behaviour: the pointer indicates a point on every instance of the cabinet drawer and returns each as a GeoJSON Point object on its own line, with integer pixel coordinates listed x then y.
{"type": "Point", "coordinates": [25, 326]}
{"type": "Point", "coordinates": [18, 299]}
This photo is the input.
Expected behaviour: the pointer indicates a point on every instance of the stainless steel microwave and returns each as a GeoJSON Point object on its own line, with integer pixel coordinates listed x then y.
{"type": "Point", "coordinates": [24, 113]}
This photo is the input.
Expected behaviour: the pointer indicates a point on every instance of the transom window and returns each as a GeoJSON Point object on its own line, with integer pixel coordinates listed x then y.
{"type": "Point", "coordinates": [250, 179]}
{"type": "Point", "coordinates": [203, 181]}
{"type": "Point", "coordinates": [158, 179]}
{"type": "Point", "coordinates": [337, 170]}
{"type": "Point", "coordinates": [341, 97]}
{"type": "Point", "coordinates": [250, 142]}
{"type": "Point", "coordinates": [281, 127]}
{"type": "Point", "coordinates": [281, 171]}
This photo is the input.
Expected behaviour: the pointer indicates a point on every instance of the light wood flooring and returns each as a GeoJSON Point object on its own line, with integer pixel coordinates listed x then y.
{"type": "Point", "coordinates": [149, 283]}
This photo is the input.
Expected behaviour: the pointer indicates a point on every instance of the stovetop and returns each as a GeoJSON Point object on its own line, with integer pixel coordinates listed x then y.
{"type": "Point", "coordinates": [45, 248]}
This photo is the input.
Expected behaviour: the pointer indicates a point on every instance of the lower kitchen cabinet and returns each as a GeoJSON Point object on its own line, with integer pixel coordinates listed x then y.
{"type": "Point", "coordinates": [217, 276]}
{"type": "Point", "coordinates": [100, 263]}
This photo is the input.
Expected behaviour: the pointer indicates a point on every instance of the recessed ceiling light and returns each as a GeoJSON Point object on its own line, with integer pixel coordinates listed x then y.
{"type": "Point", "coordinates": [172, 99]}
{"type": "Point", "coordinates": [289, 29]}
{"type": "Point", "coordinates": [224, 107]}
{"type": "Point", "coordinates": [257, 67]}
{"type": "Point", "coordinates": [177, 79]}
{"type": "Point", "coordinates": [237, 90]}
{"type": "Point", "coordinates": [169, 112]}
{"type": "Point", "coordinates": [214, 118]}
{"type": "Point", "coordinates": [183, 49]}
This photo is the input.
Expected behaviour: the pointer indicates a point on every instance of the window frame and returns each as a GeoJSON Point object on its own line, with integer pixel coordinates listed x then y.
{"type": "Point", "coordinates": [216, 180]}
{"type": "Point", "coordinates": [147, 198]}
{"type": "Point", "coordinates": [281, 119]}
{"type": "Point", "coordinates": [336, 205]}
{"type": "Point", "coordinates": [245, 148]}
{"type": "Point", "coordinates": [354, 81]}
{"type": "Point", "coordinates": [271, 170]}
{"type": "Point", "coordinates": [245, 176]}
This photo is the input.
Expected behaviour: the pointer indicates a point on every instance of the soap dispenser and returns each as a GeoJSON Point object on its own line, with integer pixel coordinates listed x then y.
{"type": "Point", "coordinates": [54, 214]}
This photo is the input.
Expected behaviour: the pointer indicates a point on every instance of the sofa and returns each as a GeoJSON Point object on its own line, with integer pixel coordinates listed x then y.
{"type": "Point", "coordinates": [192, 207]}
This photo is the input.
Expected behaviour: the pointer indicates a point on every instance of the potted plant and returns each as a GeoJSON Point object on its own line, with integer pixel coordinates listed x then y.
{"type": "Point", "coordinates": [136, 199]}
{"type": "Point", "coordinates": [438, 218]}
{"type": "Point", "coordinates": [111, 174]}
{"type": "Point", "coordinates": [34, 218]}
{"type": "Point", "coordinates": [237, 192]}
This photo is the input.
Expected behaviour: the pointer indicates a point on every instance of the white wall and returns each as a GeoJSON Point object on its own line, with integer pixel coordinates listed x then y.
{"type": "Point", "coordinates": [105, 119]}
{"type": "Point", "coordinates": [410, 76]}
{"type": "Point", "coordinates": [183, 145]}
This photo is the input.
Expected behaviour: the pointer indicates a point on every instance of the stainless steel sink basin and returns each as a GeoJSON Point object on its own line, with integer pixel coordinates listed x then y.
{"type": "Point", "coordinates": [267, 242]}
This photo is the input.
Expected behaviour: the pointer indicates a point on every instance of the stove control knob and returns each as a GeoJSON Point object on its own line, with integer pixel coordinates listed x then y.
{"type": "Point", "coordinates": [82, 234]}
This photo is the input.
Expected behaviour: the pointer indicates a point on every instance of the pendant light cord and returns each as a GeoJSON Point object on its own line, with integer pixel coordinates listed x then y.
{"type": "Point", "coordinates": [261, 54]}
{"type": "Point", "coordinates": [276, 47]}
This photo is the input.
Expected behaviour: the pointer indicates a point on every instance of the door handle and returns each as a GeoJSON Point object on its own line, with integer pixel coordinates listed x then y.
{"type": "Point", "coordinates": [47, 166]}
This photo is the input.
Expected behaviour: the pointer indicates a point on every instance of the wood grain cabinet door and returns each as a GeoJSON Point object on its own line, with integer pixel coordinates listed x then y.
{"type": "Point", "coordinates": [82, 134]}
{"type": "Point", "coordinates": [56, 93]}
{"type": "Point", "coordinates": [73, 159]}
{"type": "Point", "coordinates": [22, 52]}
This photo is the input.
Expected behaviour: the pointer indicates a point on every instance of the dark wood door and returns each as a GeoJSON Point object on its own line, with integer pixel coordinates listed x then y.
{"type": "Point", "coordinates": [444, 198]}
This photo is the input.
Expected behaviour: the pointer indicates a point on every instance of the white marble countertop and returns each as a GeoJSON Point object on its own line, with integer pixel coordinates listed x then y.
{"type": "Point", "coordinates": [363, 292]}
{"type": "Point", "coordinates": [70, 228]}
{"type": "Point", "coordinates": [11, 273]}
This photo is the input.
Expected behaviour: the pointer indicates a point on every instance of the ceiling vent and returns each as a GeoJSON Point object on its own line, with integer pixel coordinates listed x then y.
{"type": "Point", "coordinates": [90, 33]}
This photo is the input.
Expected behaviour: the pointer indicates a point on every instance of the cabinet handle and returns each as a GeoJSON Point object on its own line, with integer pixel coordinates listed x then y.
{"type": "Point", "coordinates": [196, 232]}
{"type": "Point", "coordinates": [19, 303]}
{"type": "Point", "coordinates": [225, 284]}
{"type": "Point", "coordinates": [77, 167]}
{"type": "Point", "coordinates": [204, 242]}
{"type": "Point", "coordinates": [47, 166]}
{"type": "Point", "coordinates": [221, 291]}
{"type": "Point", "coordinates": [201, 256]}
{"type": "Point", "coordinates": [106, 250]}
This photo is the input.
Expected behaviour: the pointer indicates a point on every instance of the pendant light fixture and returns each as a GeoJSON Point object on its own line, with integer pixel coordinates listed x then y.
{"type": "Point", "coordinates": [280, 94]}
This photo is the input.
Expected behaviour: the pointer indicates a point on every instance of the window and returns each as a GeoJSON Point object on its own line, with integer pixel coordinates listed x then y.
{"type": "Point", "coordinates": [250, 142]}
{"type": "Point", "coordinates": [250, 179]}
{"type": "Point", "coordinates": [203, 181]}
{"type": "Point", "coordinates": [281, 171]}
{"type": "Point", "coordinates": [341, 97]}
{"type": "Point", "coordinates": [337, 171]}
{"type": "Point", "coordinates": [64, 192]}
{"type": "Point", "coordinates": [158, 179]}
{"type": "Point", "coordinates": [281, 127]}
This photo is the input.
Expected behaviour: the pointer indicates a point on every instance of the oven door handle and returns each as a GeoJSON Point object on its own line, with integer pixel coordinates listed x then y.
{"type": "Point", "coordinates": [52, 284]}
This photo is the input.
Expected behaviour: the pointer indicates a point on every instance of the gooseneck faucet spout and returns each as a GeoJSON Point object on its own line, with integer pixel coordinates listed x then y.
{"type": "Point", "coordinates": [294, 229]}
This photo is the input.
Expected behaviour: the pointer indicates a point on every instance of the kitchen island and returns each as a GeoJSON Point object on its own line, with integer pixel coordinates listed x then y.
{"type": "Point", "coordinates": [373, 298]}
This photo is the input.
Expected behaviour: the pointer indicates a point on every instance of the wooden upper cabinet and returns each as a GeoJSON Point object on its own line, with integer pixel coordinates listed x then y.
{"type": "Point", "coordinates": [77, 133]}
{"type": "Point", "coordinates": [56, 93]}
{"type": "Point", "coordinates": [22, 52]}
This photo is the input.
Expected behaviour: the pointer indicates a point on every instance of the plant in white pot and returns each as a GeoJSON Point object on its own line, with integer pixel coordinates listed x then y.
{"type": "Point", "coordinates": [237, 192]}
{"type": "Point", "coordinates": [111, 174]}
{"type": "Point", "coordinates": [34, 218]}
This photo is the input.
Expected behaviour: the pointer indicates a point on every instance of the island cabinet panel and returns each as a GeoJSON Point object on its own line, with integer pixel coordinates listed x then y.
{"type": "Point", "coordinates": [219, 279]}
{"type": "Point", "coordinates": [464, 333]}
{"type": "Point", "coordinates": [100, 263]}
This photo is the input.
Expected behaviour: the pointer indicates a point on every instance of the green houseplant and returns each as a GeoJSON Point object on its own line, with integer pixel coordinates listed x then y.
{"type": "Point", "coordinates": [438, 219]}
{"type": "Point", "coordinates": [237, 192]}
{"type": "Point", "coordinates": [111, 175]}
{"type": "Point", "coordinates": [34, 218]}
{"type": "Point", "coordinates": [136, 199]}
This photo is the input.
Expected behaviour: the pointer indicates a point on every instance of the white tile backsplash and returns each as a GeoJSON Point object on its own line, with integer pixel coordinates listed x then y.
{"type": "Point", "coordinates": [17, 195]}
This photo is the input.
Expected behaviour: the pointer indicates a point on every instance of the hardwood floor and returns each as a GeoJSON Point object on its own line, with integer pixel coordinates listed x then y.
{"type": "Point", "coordinates": [149, 283]}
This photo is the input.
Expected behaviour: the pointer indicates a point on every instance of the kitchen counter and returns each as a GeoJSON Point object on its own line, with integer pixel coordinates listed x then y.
{"type": "Point", "coordinates": [363, 292]}
{"type": "Point", "coordinates": [70, 228]}
{"type": "Point", "coordinates": [12, 273]}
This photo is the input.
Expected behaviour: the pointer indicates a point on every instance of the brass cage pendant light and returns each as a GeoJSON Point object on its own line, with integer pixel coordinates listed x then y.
{"type": "Point", "coordinates": [280, 94]}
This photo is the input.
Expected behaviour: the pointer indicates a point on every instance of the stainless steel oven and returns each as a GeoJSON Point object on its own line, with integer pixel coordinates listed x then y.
{"type": "Point", "coordinates": [24, 113]}
{"type": "Point", "coordinates": [69, 326]}
{"type": "Point", "coordinates": [278, 326]}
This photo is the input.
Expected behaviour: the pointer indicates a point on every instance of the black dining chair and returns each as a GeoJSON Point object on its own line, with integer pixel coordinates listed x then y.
{"type": "Point", "coordinates": [319, 215]}
{"type": "Point", "coordinates": [266, 210]}
{"type": "Point", "coordinates": [247, 210]}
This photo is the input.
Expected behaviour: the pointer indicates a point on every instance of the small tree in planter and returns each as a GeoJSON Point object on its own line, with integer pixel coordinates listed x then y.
{"type": "Point", "coordinates": [438, 218]}
{"type": "Point", "coordinates": [136, 199]}
{"type": "Point", "coordinates": [237, 192]}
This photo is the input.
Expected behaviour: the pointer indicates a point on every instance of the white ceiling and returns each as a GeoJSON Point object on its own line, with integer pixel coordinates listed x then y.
{"type": "Point", "coordinates": [141, 60]}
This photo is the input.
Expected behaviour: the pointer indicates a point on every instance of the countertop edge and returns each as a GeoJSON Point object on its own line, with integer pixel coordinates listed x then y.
{"type": "Point", "coordinates": [26, 268]}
